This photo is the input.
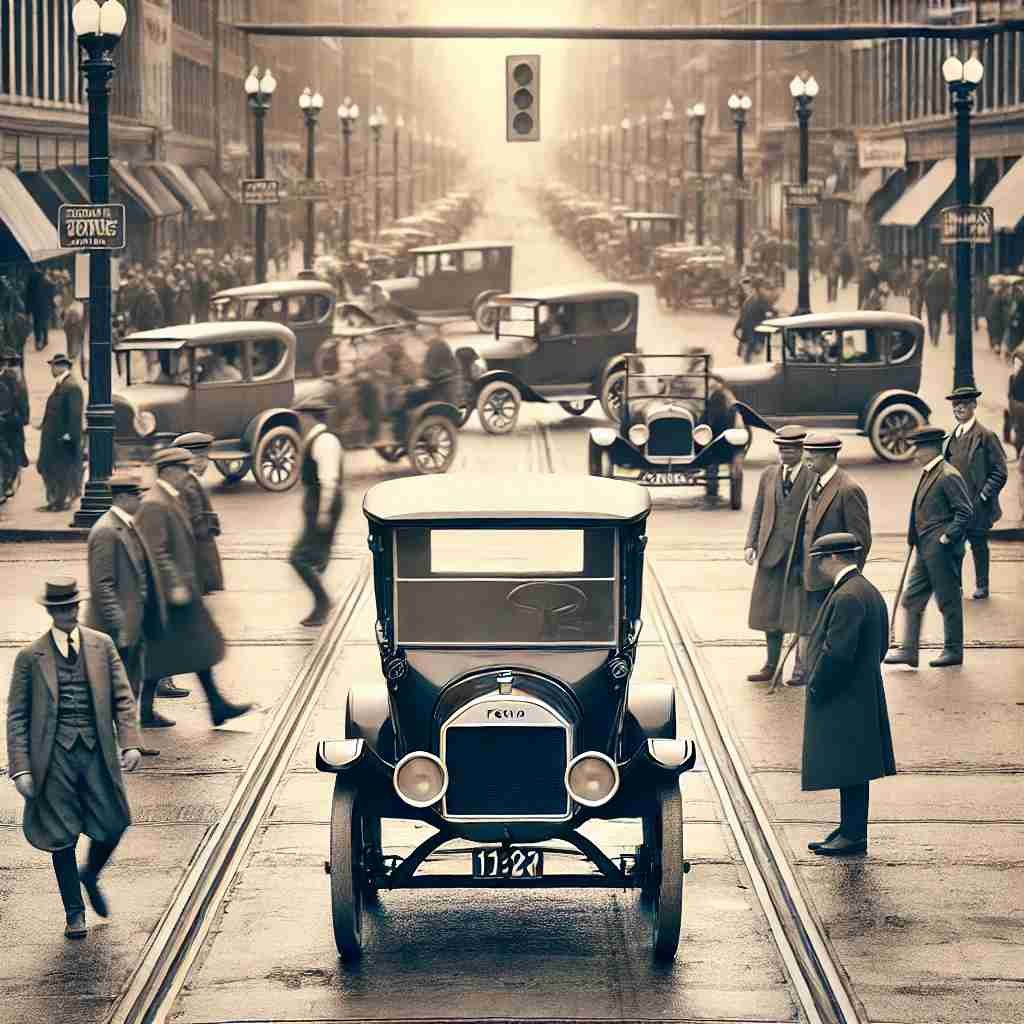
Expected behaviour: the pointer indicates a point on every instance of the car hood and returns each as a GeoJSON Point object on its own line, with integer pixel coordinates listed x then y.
{"type": "Point", "coordinates": [491, 348]}
{"type": "Point", "coordinates": [164, 401]}
{"type": "Point", "coordinates": [748, 373]}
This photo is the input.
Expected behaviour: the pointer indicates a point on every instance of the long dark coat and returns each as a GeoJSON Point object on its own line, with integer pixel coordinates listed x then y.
{"type": "Point", "coordinates": [847, 737]}
{"type": "Point", "coordinates": [205, 529]}
{"type": "Point", "coordinates": [982, 464]}
{"type": "Point", "coordinates": [190, 640]}
{"type": "Point", "coordinates": [32, 718]}
{"type": "Point", "coordinates": [16, 406]}
{"type": "Point", "coordinates": [58, 458]}
{"type": "Point", "coordinates": [842, 507]}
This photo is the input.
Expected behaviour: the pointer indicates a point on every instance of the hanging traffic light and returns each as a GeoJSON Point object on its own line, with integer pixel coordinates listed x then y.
{"type": "Point", "coordinates": [522, 103]}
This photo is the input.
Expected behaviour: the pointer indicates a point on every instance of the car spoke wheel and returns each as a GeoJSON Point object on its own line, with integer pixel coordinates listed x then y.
{"type": "Point", "coordinates": [347, 870]}
{"type": "Point", "coordinates": [486, 316]}
{"type": "Point", "coordinates": [662, 887]}
{"type": "Point", "coordinates": [276, 462]}
{"type": "Point", "coordinates": [612, 393]}
{"type": "Point", "coordinates": [432, 445]}
{"type": "Point", "coordinates": [498, 407]}
{"type": "Point", "coordinates": [232, 469]}
{"type": "Point", "coordinates": [890, 429]}
{"type": "Point", "coordinates": [577, 408]}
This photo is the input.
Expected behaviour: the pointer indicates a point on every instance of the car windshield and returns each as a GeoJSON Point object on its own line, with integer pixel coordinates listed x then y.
{"type": "Point", "coordinates": [671, 376]}
{"type": "Point", "coordinates": [494, 587]}
{"type": "Point", "coordinates": [516, 321]}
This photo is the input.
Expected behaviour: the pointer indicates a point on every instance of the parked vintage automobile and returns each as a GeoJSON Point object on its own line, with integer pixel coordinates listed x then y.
{"type": "Point", "coordinates": [232, 379]}
{"type": "Point", "coordinates": [645, 232]}
{"type": "Point", "coordinates": [457, 280]}
{"type": "Point", "coordinates": [552, 345]}
{"type": "Point", "coordinates": [665, 438]}
{"type": "Point", "coordinates": [306, 306]}
{"type": "Point", "coordinates": [859, 370]}
{"type": "Point", "coordinates": [508, 615]}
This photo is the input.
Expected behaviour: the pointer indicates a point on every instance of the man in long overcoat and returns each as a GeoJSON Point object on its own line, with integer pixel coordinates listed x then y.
{"type": "Point", "coordinates": [775, 599]}
{"type": "Point", "coordinates": [205, 522]}
{"type": "Point", "coordinates": [60, 445]}
{"type": "Point", "coordinates": [847, 737]}
{"type": "Point", "coordinates": [977, 453]}
{"type": "Point", "coordinates": [70, 731]}
{"type": "Point", "coordinates": [190, 641]}
{"type": "Point", "coordinates": [14, 417]}
{"type": "Point", "coordinates": [938, 293]}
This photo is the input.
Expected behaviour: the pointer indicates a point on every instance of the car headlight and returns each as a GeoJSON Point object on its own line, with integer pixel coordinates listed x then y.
{"type": "Point", "coordinates": [144, 423]}
{"type": "Point", "coordinates": [604, 436]}
{"type": "Point", "coordinates": [592, 779]}
{"type": "Point", "coordinates": [638, 434]}
{"type": "Point", "coordinates": [703, 434]}
{"type": "Point", "coordinates": [477, 368]}
{"type": "Point", "coordinates": [420, 779]}
{"type": "Point", "coordinates": [737, 436]}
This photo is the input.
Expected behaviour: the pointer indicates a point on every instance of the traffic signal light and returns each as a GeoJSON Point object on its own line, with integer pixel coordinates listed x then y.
{"type": "Point", "coordinates": [522, 104]}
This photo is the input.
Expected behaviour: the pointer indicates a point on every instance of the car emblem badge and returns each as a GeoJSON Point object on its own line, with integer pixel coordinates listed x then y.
{"type": "Point", "coordinates": [505, 683]}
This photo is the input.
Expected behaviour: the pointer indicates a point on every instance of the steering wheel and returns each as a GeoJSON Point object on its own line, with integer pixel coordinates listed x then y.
{"type": "Point", "coordinates": [553, 602]}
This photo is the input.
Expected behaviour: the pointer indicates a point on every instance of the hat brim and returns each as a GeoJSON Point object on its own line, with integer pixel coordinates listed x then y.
{"type": "Point", "coordinates": [836, 551]}
{"type": "Point", "coordinates": [58, 602]}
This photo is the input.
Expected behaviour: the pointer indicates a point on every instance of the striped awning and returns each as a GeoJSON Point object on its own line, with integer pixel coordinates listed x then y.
{"type": "Point", "coordinates": [123, 178]}
{"type": "Point", "coordinates": [26, 233]}
{"type": "Point", "coordinates": [1007, 199]}
{"type": "Point", "coordinates": [918, 201]}
{"type": "Point", "coordinates": [176, 178]}
{"type": "Point", "coordinates": [215, 195]}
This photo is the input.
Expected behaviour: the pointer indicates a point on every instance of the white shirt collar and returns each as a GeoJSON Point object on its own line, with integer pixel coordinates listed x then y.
{"type": "Point", "coordinates": [827, 475]}
{"type": "Point", "coordinates": [962, 428]}
{"type": "Point", "coordinates": [928, 466]}
{"type": "Point", "coordinates": [845, 571]}
{"type": "Point", "coordinates": [791, 471]}
{"type": "Point", "coordinates": [60, 638]}
{"type": "Point", "coordinates": [122, 515]}
{"type": "Point", "coordinates": [172, 491]}
{"type": "Point", "coordinates": [60, 378]}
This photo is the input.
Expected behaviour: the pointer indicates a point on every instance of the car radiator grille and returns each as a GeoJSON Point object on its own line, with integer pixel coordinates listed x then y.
{"type": "Point", "coordinates": [670, 436]}
{"type": "Point", "coordinates": [506, 771]}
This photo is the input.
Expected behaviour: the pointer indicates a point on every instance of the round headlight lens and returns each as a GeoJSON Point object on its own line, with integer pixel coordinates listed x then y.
{"type": "Point", "coordinates": [638, 434]}
{"type": "Point", "coordinates": [703, 434]}
{"type": "Point", "coordinates": [144, 423]}
{"type": "Point", "coordinates": [420, 779]}
{"type": "Point", "coordinates": [592, 779]}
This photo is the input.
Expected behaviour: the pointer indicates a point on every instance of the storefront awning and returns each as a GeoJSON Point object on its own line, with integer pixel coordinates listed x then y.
{"type": "Point", "coordinates": [917, 202]}
{"type": "Point", "coordinates": [122, 177]}
{"type": "Point", "coordinates": [871, 181]}
{"type": "Point", "coordinates": [44, 191]}
{"type": "Point", "coordinates": [178, 181]}
{"type": "Point", "coordinates": [169, 206]}
{"type": "Point", "coordinates": [1007, 199]}
{"type": "Point", "coordinates": [215, 195]}
{"type": "Point", "coordinates": [25, 231]}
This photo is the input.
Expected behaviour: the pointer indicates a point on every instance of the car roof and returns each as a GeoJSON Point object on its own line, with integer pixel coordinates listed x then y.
{"type": "Point", "coordinates": [853, 318]}
{"type": "Point", "coordinates": [463, 498]}
{"type": "Point", "coordinates": [276, 289]}
{"type": "Point", "coordinates": [650, 215]}
{"type": "Point", "coordinates": [462, 246]}
{"type": "Point", "coordinates": [567, 293]}
{"type": "Point", "coordinates": [192, 335]}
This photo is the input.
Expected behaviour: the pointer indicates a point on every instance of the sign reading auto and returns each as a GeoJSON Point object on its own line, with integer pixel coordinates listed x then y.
{"type": "Point", "coordinates": [96, 226]}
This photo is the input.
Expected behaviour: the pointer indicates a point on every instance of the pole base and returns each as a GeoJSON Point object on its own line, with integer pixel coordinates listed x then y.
{"type": "Point", "coordinates": [95, 501]}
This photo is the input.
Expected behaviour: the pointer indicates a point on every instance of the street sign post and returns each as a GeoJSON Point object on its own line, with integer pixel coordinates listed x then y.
{"type": "Point", "coordinates": [972, 224]}
{"type": "Point", "coordinates": [93, 226]}
{"type": "Point", "coordinates": [808, 195]}
{"type": "Point", "coordinates": [315, 190]}
{"type": "Point", "coordinates": [260, 191]}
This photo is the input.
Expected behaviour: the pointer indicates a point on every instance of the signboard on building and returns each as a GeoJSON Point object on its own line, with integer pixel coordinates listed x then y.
{"type": "Point", "coordinates": [93, 226]}
{"type": "Point", "coordinates": [155, 61]}
{"type": "Point", "coordinates": [803, 195]}
{"type": "Point", "coordinates": [260, 191]}
{"type": "Point", "coordinates": [971, 224]}
{"type": "Point", "coordinates": [311, 189]}
{"type": "Point", "coordinates": [882, 153]}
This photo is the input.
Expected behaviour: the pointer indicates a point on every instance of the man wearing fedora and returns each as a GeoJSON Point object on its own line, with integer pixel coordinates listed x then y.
{"type": "Point", "coordinates": [835, 504]}
{"type": "Point", "coordinates": [70, 731]}
{"type": "Point", "coordinates": [940, 515]}
{"type": "Point", "coordinates": [847, 736]}
{"type": "Point", "coordinates": [775, 600]}
{"type": "Point", "coordinates": [60, 446]}
{"type": "Point", "coordinates": [205, 522]}
{"type": "Point", "coordinates": [190, 641]}
{"type": "Point", "coordinates": [977, 454]}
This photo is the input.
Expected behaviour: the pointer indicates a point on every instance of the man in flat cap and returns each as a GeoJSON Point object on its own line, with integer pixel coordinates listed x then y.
{"type": "Point", "coordinates": [847, 737]}
{"type": "Point", "coordinates": [940, 515]}
{"type": "Point", "coordinates": [835, 504]}
{"type": "Point", "coordinates": [70, 731]}
{"type": "Point", "coordinates": [775, 600]}
{"type": "Point", "coordinates": [977, 454]}
{"type": "Point", "coordinates": [205, 522]}
{"type": "Point", "coordinates": [60, 445]}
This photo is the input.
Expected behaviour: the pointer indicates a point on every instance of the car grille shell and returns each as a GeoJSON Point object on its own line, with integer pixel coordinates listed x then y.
{"type": "Point", "coordinates": [670, 438]}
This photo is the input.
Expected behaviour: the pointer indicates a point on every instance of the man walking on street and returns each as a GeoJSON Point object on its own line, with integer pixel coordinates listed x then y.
{"type": "Point", "coordinates": [205, 522]}
{"type": "Point", "coordinates": [60, 446]}
{"type": "Point", "coordinates": [39, 293]}
{"type": "Point", "coordinates": [70, 731]}
{"type": "Point", "coordinates": [14, 417]}
{"type": "Point", "coordinates": [847, 736]}
{"type": "Point", "coordinates": [775, 600]}
{"type": "Point", "coordinates": [977, 453]}
{"type": "Point", "coordinates": [940, 515]}
{"type": "Point", "coordinates": [938, 290]}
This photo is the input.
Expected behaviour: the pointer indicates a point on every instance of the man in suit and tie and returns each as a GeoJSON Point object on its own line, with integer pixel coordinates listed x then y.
{"type": "Point", "coordinates": [977, 454]}
{"type": "Point", "coordinates": [835, 504]}
{"type": "Point", "coordinates": [70, 731]}
{"type": "Point", "coordinates": [940, 515]}
{"type": "Point", "coordinates": [775, 599]}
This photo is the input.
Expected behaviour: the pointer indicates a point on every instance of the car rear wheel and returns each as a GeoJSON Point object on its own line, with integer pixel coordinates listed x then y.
{"type": "Point", "coordinates": [485, 313]}
{"type": "Point", "coordinates": [276, 461]}
{"type": "Point", "coordinates": [232, 469]}
{"type": "Point", "coordinates": [736, 482]}
{"type": "Point", "coordinates": [662, 886]}
{"type": "Point", "coordinates": [432, 445]}
{"type": "Point", "coordinates": [347, 870]}
{"type": "Point", "coordinates": [890, 429]}
{"type": "Point", "coordinates": [612, 391]}
{"type": "Point", "coordinates": [498, 406]}
{"type": "Point", "coordinates": [577, 408]}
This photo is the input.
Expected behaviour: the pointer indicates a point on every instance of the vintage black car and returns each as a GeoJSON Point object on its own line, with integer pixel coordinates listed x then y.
{"type": "Point", "coordinates": [666, 437]}
{"type": "Point", "coordinates": [508, 616]}
{"type": "Point", "coordinates": [646, 232]}
{"type": "Point", "coordinates": [559, 345]}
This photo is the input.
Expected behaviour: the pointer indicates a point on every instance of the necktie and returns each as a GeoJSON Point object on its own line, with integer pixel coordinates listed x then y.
{"type": "Point", "coordinates": [72, 653]}
{"type": "Point", "coordinates": [818, 488]}
{"type": "Point", "coordinates": [787, 482]}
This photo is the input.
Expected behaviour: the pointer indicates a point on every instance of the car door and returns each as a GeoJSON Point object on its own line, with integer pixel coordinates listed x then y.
{"type": "Point", "coordinates": [862, 369]}
{"type": "Point", "coordinates": [811, 389]}
{"type": "Point", "coordinates": [554, 362]}
{"type": "Point", "coordinates": [222, 405]}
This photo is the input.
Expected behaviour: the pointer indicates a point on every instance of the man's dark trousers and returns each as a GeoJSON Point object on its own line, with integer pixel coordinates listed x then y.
{"type": "Point", "coordinates": [853, 811]}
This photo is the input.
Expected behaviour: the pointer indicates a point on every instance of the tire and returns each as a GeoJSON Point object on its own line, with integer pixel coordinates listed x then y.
{"type": "Point", "coordinates": [390, 452]}
{"type": "Point", "coordinates": [432, 445]}
{"type": "Point", "coordinates": [347, 883]}
{"type": "Point", "coordinates": [485, 314]}
{"type": "Point", "coordinates": [611, 395]}
{"type": "Point", "coordinates": [889, 429]}
{"type": "Point", "coordinates": [276, 461]}
{"type": "Point", "coordinates": [577, 408]}
{"type": "Point", "coordinates": [663, 888]}
{"type": "Point", "coordinates": [498, 406]}
{"type": "Point", "coordinates": [233, 470]}
{"type": "Point", "coordinates": [736, 483]}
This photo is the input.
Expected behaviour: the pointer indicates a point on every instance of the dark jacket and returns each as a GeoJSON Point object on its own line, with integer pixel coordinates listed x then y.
{"type": "Point", "coordinates": [205, 529]}
{"type": "Point", "coordinates": [841, 508]}
{"type": "Point", "coordinates": [847, 737]}
{"type": "Point", "coordinates": [755, 311]}
{"type": "Point", "coordinates": [39, 294]}
{"type": "Point", "coordinates": [938, 289]}
{"type": "Point", "coordinates": [771, 546]}
{"type": "Point", "coordinates": [982, 463]}
{"type": "Point", "coordinates": [62, 416]}
{"type": "Point", "coordinates": [941, 504]}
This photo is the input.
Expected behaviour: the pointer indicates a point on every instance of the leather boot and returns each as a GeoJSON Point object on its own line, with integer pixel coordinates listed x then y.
{"type": "Point", "coordinates": [953, 636]}
{"type": "Point", "coordinates": [907, 652]}
{"type": "Point", "coordinates": [221, 709]}
{"type": "Point", "coordinates": [148, 717]}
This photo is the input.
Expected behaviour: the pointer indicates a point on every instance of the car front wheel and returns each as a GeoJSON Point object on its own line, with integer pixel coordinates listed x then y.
{"type": "Point", "coordinates": [577, 408]}
{"type": "Point", "coordinates": [348, 886]}
{"type": "Point", "coordinates": [432, 445]}
{"type": "Point", "coordinates": [276, 461]}
{"type": "Point", "coordinates": [890, 429]}
{"type": "Point", "coordinates": [498, 406]}
{"type": "Point", "coordinates": [612, 391]}
{"type": "Point", "coordinates": [232, 469]}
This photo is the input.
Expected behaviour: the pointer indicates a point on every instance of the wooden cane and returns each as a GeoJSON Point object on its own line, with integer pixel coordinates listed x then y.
{"type": "Point", "coordinates": [777, 675]}
{"type": "Point", "coordinates": [899, 594]}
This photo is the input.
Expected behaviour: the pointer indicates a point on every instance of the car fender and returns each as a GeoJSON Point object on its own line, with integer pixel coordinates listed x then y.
{"type": "Point", "coordinates": [653, 705]}
{"type": "Point", "coordinates": [445, 409]}
{"type": "Point", "coordinates": [617, 362]}
{"type": "Point", "coordinates": [260, 424]}
{"type": "Point", "coordinates": [752, 418]}
{"type": "Point", "coordinates": [366, 711]}
{"type": "Point", "coordinates": [891, 395]}
{"type": "Point", "coordinates": [506, 375]}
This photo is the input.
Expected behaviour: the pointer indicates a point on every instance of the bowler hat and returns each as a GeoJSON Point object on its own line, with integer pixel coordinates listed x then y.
{"type": "Point", "coordinates": [790, 436]}
{"type": "Point", "coordinates": [835, 544]}
{"type": "Point", "coordinates": [60, 358]}
{"type": "Point", "coordinates": [126, 483]}
{"type": "Point", "coordinates": [61, 590]}
{"type": "Point", "coordinates": [194, 440]}
{"type": "Point", "coordinates": [171, 457]}
{"type": "Point", "coordinates": [927, 435]}
{"type": "Point", "coordinates": [964, 393]}
{"type": "Point", "coordinates": [822, 443]}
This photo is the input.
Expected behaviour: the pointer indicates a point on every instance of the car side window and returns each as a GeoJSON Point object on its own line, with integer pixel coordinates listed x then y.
{"type": "Point", "coordinates": [449, 262]}
{"type": "Point", "coordinates": [901, 344]}
{"type": "Point", "coordinates": [617, 314]}
{"type": "Point", "coordinates": [426, 264]}
{"type": "Point", "coordinates": [472, 262]}
{"type": "Point", "coordinates": [590, 318]}
{"type": "Point", "coordinates": [265, 309]}
{"type": "Point", "coordinates": [217, 364]}
{"type": "Point", "coordinates": [555, 320]}
{"type": "Point", "coordinates": [267, 357]}
{"type": "Point", "coordinates": [812, 346]}
{"type": "Point", "coordinates": [859, 346]}
{"type": "Point", "coordinates": [494, 258]}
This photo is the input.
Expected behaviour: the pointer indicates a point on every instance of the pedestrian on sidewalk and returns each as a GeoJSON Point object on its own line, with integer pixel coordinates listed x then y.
{"type": "Point", "coordinates": [70, 731]}
{"type": "Point", "coordinates": [60, 446]}
{"type": "Point", "coordinates": [775, 599]}
{"type": "Point", "coordinates": [918, 276]}
{"type": "Point", "coordinates": [940, 515]}
{"type": "Point", "coordinates": [997, 313]}
{"type": "Point", "coordinates": [39, 293]}
{"type": "Point", "coordinates": [977, 453]}
{"type": "Point", "coordinates": [1015, 401]}
{"type": "Point", "coordinates": [14, 416]}
{"type": "Point", "coordinates": [847, 735]}
{"type": "Point", "coordinates": [190, 641]}
{"type": "Point", "coordinates": [205, 522]}
{"type": "Point", "coordinates": [938, 291]}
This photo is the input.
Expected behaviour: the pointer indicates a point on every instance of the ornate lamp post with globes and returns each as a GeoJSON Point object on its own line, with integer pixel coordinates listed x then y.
{"type": "Point", "coordinates": [377, 121]}
{"type": "Point", "coordinates": [310, 103]}
{"type": "Point", "coordinates": [625, 125]}
{"type": "Point", "coordinates": [739, 104]}
{"type": "Point", "coordinates": [259, 91]}
{"type": "Point", "coordinates": [667, 116]}
{"type": "Point", "coordinates": [803, 89]}
{"type": "Point", "coordinates": [399, 125]}
{"type": "Point", "coordinates": [696, 113]}
{"type": "Point", "coordinates": [412, 166]}
{"type": "Point", "coordinates": [348, 114]}
{"type": "Point", "coordinates": [98, 29]}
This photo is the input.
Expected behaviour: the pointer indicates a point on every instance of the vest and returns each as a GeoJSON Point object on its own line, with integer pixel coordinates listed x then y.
{"type": "Point", "coordinates": [787, 512]}
{"type": "Point", "coordinates": [956, 453]}
{"type": "Point", "coordinates": [309, 475]}
{"type": "Point", "coordinates": [76, 718]}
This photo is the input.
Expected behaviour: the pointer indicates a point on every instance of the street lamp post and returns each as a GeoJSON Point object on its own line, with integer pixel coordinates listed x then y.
{"type": "Point", "coordinates": [399, 125]}
{"type": "Point", "coordinates": [310, 103]}
{"type": "Point", "coordinates": [646, 122]}
{"type": "Point", "coordinates": [696, 114]}
{"type": "Point", "coordinates": [739, 104]}
{"type": "Point", "coordinates": [412, 166]}
{"type": "Point", "coordinates": [803, 89]}
{"type": "Point", "coordinates": [348, 114]}
{"type": "Point", "coordinates": [625, 125]}
{"type": "Point", "coordinates": [98, 30]}
{"type": "Point", "coordinates": [259, 91]}
{"type": "Point", "coordinates": [963, 77]}
{"type": "Point", "coordinates": [377, 121]}
{"type": "Point", "coordinates": [668, 115]}
{"type": "Point", "coordinates": [607, 133]}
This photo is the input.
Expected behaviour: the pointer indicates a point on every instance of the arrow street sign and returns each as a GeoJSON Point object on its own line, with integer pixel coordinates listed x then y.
{"type": "Point", "coordinates": [260, 191]}
{"type": "Point", "coordinates": [94, 227]}
{"type": "Point", "coordinates": [967, 224]}
{"type": "Point", "coordinates": [311, 189]}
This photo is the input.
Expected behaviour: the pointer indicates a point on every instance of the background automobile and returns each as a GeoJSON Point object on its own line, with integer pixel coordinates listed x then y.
{"type": "Point", "coordinates": [645, 232]}
{"type": "Point", "coordinates": [508, 616]}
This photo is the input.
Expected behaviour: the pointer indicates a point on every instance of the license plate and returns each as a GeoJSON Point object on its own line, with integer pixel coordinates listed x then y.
{"type": "Point", "coordinates": [511, 863]}
{"type": "Point", "coordinates": [663, 479]}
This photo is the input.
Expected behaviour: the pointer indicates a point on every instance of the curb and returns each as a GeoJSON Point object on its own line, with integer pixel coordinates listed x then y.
{"type": "Point", "coordinates": [16, 534]}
